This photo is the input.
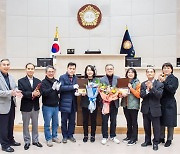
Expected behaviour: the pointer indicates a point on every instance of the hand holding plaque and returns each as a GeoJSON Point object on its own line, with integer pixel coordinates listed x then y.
{"type": "Point", "coordinates": [122, 85]}
{"type": "Point", "coordinates": [82, 86]}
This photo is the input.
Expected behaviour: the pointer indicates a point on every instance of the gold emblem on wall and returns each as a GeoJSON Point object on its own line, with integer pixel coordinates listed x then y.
{"type": "Point", "coordinates": [89, 16]}
{"type": "Point", "coordinates": [127, 45]}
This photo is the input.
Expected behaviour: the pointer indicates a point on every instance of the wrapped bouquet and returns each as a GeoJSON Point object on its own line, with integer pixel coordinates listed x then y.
{"type": "Point", "coordinates": [92, 92]}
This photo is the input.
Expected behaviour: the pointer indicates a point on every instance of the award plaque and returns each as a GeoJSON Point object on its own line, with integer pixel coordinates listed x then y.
{"type": "Point", "coordinates": [122, 83]}
{"type": "Point", "coordinates": [82, 85]}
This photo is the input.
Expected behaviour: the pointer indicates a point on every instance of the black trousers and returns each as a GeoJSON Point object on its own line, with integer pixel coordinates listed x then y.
{"type": "Point", "coordinates": [105, 118]}
{"type": "Point", "coordinates": [132, 124]}
{"type": "Point", "coordinates": [147, 120]}
{"type": "Point", "coordinates": [86, 113]}
{"type": "Point", "coordinates": [7, 127]}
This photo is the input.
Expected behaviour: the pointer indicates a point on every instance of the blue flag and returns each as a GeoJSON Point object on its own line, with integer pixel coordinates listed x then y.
{"type": "Point", "coordinates": [127, 46]}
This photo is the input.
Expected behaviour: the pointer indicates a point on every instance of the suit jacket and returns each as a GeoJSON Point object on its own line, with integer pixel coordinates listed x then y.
{"type": "Point", "coordinates": [67, 98]}
{"type": "Point", "coordinates": [114, 83]}
{"type": "Point", "coordinates": [151, 101]}
{"type": "Point", "coordinates": [5, 94]}
{"type": "Point", "coordinates": [27, 103]}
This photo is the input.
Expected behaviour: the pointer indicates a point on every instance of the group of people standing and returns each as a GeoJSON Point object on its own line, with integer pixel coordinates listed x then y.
{"type": "Point", "coordinates": [158, 105]}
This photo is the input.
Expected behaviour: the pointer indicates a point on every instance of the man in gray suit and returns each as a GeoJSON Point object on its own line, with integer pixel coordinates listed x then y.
{"type": "Point", "coordinates": [110, 79]}
{"type": "Point", "coordinates": [8, 91]}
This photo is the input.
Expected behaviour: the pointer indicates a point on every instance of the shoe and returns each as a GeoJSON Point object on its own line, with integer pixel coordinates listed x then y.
{"type": "Point", "coordinates": [115, 140]}
{"type": "Point", "coordinates": [85, 139]}
{"type": "Point", "coordinates": [155, 147]}
{"type": "Point", "coordinates": [104, 141]}
{"type": "Point", "coordinates": [92, 139]}
{"type": "Point", "coordinates": [64, 140]}
{"type": "Point", "coordinates": [145, 144]}
{"type": "Point", "coordinates": [125, 140]}
{"type": "Point", "coordinates": [8, 149]}
{"type": "Point", "coordinates": [161, 140]}
{"type": "Point", "coordinates": [168, 143]}
{"type": "Point", "coordinates": [131, 142]}
{"type": "Point", "coordinates": [15, 143]}
{"type": "Point", "coordinates": [26, 146]}
{"type": "Point", "coordinates": [37, 144]}
{"type": "Point", "coordinates": [56, 140]}
{"type": "Point", "coordinates": [49, 143]}
{"type": "Point", "coordinates": [72, 139]}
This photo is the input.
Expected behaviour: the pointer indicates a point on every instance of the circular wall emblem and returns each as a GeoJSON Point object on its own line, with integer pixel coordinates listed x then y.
{"type": "Point", "coordinates": [89, 16]}
{"type": "Point", "coordinates": [127, 45]}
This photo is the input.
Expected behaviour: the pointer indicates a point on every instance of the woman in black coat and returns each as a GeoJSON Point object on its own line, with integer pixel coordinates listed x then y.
{"type": "Point", "coordinates": [90, 75]}
{"type": "Point", "coordinates": [168, 103]}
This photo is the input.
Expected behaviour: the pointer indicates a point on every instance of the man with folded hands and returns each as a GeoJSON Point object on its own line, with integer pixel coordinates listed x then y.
{"type": "Point", "coordinates": [8, 92]}
{"type": "Point", "coordinates": [151, 93]}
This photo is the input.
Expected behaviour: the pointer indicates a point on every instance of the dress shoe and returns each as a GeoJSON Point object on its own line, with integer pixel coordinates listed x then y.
{"type": "Point", "coordinates": [168, 143]}
{"type": "Point", "coordinates": [38, 144]}
{"type": "Point", "coordinates": [92, 139]}
{"type": "Point", "coordinates": [26, 146]}
{"type": "Point", "coordinates": [85, 139]}
{"type": "Point", "coordinates": [145, 144]}
{"type": "Point", "coordinates": [8, 149]}
{"type": "Point", "coordinates": [155, 147]}
{"type": "Point", "coordinates": [15, 143]}
{"type": "Point", "coordinates": [161, 140]}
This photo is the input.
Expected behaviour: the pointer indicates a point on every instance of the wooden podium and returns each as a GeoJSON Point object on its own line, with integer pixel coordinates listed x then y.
{"type": "Point", "coordinates": [79, 115]}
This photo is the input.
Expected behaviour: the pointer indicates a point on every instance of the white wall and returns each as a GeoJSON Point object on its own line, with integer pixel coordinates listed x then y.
{"type": "Point", "coordinates": [30, 28]}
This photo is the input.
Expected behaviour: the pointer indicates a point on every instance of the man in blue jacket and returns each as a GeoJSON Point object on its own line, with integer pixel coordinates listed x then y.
{"type": "Point", "coordinates": [68, 102]}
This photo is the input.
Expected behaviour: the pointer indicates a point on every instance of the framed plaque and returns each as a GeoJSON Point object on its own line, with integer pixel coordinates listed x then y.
{"type": "Point", "coordinates": [82, 85]}
{"type": "Point", "coordinates": [122, 83]}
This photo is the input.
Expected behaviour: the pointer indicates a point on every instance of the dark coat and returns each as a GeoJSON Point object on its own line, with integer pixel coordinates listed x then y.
{"type": "Point", "coordinates": [27, 104]}
{"type": "Point", "coordinates": [151, 101]}
{"type": "Point", "coordinates": [49, 96]}
{"type": "Point", "coordinates": [168, 102]}
{"type": "Point", "coordinates": [67, 98]}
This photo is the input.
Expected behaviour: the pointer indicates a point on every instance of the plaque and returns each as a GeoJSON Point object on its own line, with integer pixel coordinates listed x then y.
{"type": "Point", "coordinates": [122, 82]}
{"type": "Point", "coordinates": [82, 85]}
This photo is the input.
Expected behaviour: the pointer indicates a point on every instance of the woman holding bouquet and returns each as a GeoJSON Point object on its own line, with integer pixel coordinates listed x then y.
{"type": "Point", "coordinates": [131, 105]}
{"type": "Point", "coordinates": [89, 104]}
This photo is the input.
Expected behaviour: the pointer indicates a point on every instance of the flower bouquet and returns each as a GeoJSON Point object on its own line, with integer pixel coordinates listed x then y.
{"type": "Point", "coordinates": [108, 94]}
{"type": "Point", "coordinates": [92, 92]}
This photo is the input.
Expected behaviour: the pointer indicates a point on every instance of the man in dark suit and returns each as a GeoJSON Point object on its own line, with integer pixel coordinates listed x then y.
{"type": "Point", "coordinates": [68, 102]}
{"type": "Point", "coordinates": [151, 92]}
{"type": "Point", "coordinates": [8, 91]}
{"type": "Point", "coordinates": [30, 105]}
{"type": "Point", "coordinates": [110, 79]}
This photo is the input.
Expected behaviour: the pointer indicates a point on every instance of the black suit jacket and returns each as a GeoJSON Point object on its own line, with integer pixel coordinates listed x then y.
{"type": "Point", "coordinates": [27, 103]}
{"type": "Point", "coordinates": [151, 101]}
